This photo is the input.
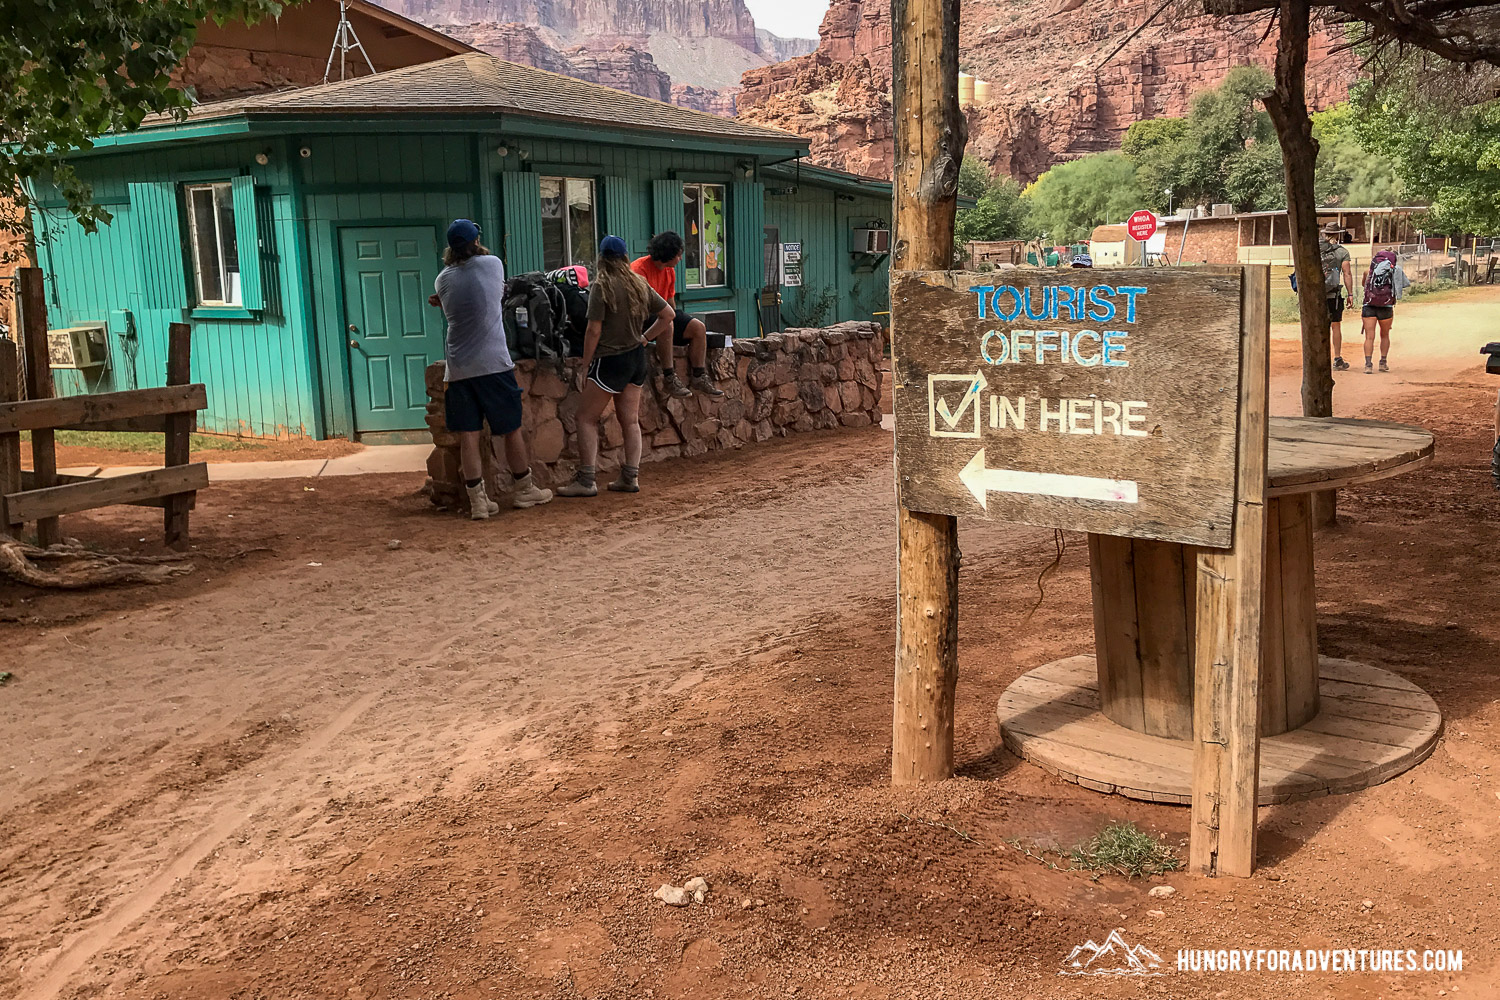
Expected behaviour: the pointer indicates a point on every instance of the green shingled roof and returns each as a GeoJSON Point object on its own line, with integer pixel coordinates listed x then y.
{"type": "Point", "coordinates": [477, 83]}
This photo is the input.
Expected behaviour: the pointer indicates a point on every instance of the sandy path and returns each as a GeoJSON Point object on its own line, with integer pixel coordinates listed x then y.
{"type": "Point", "coordinates": [195, 752]}
{"type": "Point", "coordinates": [1433, 341]}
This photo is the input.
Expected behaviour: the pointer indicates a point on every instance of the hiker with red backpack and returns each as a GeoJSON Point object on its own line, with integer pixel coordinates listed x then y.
{"type": "Point", "coordinates": [1384, 283]}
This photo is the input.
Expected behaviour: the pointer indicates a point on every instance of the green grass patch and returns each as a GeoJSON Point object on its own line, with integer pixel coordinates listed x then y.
{"type": "Point", "coordinates": [1126, 849]}
{"type": "Point", "coordinates": [144, 443]}
{"type": "Point", "coordinates": [1284, 306]}
{"type": "Point", "coordinates": [1434, 287]}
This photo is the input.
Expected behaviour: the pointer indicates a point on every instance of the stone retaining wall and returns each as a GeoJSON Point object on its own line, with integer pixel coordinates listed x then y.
{"type": "Point", "coordinates": [800, 380]}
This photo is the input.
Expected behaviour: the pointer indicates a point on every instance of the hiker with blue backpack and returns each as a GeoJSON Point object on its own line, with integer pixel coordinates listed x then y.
{"type": "Point", "coordinates": [1384, 284]}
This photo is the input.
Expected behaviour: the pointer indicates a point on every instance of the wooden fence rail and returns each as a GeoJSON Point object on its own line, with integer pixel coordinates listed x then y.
{"type": "Point", "coordinates": [41, 494]}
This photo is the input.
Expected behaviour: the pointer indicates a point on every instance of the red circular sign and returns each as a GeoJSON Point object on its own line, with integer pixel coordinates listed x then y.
{"type": "Point", "coordinates": [1141, 225]}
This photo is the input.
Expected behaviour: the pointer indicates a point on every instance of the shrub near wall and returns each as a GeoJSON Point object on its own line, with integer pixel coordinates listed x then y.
{"type": "Point", "coordinates": [800, 380]}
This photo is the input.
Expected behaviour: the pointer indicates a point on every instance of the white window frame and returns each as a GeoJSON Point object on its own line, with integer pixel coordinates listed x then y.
{"type": "Point", "coordinates": [223, 195]}
{"type": "Point", "coordinates": [702, 255]}
{"type": "Point", "coordinates": [567, 230]}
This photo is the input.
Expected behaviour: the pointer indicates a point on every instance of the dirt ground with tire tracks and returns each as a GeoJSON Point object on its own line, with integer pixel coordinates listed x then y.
{"type": "Point", "coordinates": [321, 766]}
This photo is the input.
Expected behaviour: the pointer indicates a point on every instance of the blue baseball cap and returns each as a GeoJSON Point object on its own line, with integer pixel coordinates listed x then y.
{"type": "Point", "coordinates": [461, 233]}
{"type": "Point", "coordinates": [612, 246]}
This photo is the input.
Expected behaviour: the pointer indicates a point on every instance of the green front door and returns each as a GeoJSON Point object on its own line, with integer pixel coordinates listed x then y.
{"type": "Point", "coordinates": [392, 333]}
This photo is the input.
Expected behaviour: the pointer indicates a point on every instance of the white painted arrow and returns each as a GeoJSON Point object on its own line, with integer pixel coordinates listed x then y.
{"type": "Point", "coordinates": [982, 481]}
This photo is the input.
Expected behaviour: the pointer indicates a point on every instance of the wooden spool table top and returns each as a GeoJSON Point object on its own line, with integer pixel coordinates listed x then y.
{"type": "Point", "coordinates": [1307, 454]}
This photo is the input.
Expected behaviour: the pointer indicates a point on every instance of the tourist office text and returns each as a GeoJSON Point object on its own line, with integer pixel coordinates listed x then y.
{"type": "Point", "coordinates": [1086, 348]}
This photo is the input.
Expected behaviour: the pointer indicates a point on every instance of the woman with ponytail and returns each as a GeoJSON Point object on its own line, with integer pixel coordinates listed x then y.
{"type": "Point", "coordinates": [615, 364]}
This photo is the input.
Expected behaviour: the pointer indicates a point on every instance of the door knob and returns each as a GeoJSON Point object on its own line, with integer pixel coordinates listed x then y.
{"type": "Point", "coordinates": [353, 342]}
{"type": "Point", "coordinates": [353, 328]}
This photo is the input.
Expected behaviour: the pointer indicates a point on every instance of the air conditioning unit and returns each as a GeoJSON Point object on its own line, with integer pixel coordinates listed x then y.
{"type": "Point", "coordinates": [78, 347]}
{"type": "Point", "coordinates": [871, 241]}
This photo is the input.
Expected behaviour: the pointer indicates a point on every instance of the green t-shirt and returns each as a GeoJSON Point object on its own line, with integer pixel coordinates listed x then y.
{"type": "Point", "coordinates": [621, 331]}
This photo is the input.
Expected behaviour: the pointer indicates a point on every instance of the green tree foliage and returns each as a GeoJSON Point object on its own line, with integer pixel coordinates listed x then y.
{"type": "Point", "coordinates": [1446, 150]}
{"type": "Point", "coordinates": [1224, 150]}
{"type": "Point", "coordinates": [1068, 201]}
{"type": "Point", "coordinates": [1000, 214]}
{"type": "Point", "coordinates": [76, 69]}
{"type": "Point", "coordinates": [1347, 173]}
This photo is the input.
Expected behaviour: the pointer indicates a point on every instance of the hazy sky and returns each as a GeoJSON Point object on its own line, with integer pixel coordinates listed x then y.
{"type": "Point", "coordinates": [789, 18]}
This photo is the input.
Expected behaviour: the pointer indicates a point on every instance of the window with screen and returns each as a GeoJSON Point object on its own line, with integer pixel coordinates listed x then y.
{"type": "Point", "coordinates": [216, 258]}
{"type": "Point", "coordinates": [704, 238]}
{"type": "Point", "coordinates": [569, 235]}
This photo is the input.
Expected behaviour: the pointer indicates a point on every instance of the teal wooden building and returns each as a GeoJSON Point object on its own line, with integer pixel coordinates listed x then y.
{"type": "Point", "coordinates": [299, 232]}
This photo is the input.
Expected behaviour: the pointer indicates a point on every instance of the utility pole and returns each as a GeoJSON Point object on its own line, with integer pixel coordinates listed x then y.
{"type": "Point", "coordinates": [930, 133]}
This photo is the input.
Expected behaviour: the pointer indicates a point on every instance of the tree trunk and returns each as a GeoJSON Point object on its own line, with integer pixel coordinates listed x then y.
{"type": "Point", "coordinates": [1287, 106]}
{"type": "Point", "coordinates": [930, 135]}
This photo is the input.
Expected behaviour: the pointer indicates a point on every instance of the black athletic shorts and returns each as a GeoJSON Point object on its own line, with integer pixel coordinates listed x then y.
{"type": "Point", "coordinates": [614, 372]}
{"type": "Point", "coordinates": [1378, 312]}
{"type": "Point", "coordinates": [469, 402]}
{"type": "Point", "coordinates": [1336, 308]}
{"type": "Point", "coordinates": [679, 327]}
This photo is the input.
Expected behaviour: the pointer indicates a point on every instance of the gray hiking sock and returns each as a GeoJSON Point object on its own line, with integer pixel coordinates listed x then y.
{"type": "Point", "coordinates": [586, 474]}
{"type": "Point", "coordinates": [630, 472]}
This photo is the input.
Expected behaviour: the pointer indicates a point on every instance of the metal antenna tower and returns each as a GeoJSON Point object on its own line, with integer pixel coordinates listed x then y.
{"type": "Point", "coordinates": [344, 42]}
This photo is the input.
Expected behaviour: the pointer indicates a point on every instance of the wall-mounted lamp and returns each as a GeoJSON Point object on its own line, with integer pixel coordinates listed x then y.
{"type": "Point", "coordinates": [305, 153]}
{"type": "Point", "coordinates": [262, 158]}
{"type": "Point", "coordinates": [502, 150]}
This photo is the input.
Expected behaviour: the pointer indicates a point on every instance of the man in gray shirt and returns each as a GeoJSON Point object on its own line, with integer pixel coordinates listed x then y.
{"type": "Point", "coordinates": [481, 376]}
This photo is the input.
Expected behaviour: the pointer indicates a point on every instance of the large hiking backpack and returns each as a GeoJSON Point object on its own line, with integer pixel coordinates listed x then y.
{"type": "Point", "coordinates": [534, 314]}
{"type": "Point", "coordinates": [1332, 260]}
{"type": "Point", "coordinates": [1380, 282]}
{"type": "Point", "coordinates": [573, 282]}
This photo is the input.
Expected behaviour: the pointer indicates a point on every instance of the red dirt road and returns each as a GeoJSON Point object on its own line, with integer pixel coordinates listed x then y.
{"type": "Point", "coordinates": [461, 767]}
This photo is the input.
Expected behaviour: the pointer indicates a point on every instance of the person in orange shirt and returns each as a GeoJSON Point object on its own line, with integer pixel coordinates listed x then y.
{"type": "Point", "coordinates": [659, 268]}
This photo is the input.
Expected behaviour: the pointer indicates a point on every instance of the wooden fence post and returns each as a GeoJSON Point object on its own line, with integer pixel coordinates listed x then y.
{"type": "Point", "coordinates": [33, 301]}
{"type": "Point", "coordinates": [179, 427]}
{"type": "Point", "coordinates": [1231, 594]}
{"type": "Point", "coordinates": [10, 443]}
{"type": "Point", "coordinates": [930, 135]}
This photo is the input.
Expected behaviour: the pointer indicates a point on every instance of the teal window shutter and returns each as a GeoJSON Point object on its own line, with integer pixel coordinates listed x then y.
{"type": "Point", "coordinates": [622, 215]}
{"type": "Point", "coordinates": [521, 212]}
{"type": "Point", "coordinates": [157, 221]}
{"type": "Point", "coordinates": [247, 240]}
{"type": "Point", "coordinates": [747, 221]}
{"type": "Point", "coordinates": [666, 214]}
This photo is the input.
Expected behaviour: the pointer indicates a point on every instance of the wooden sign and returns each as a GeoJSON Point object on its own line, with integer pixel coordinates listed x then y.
{"type": "Point", "coordinates": [1102, 401]}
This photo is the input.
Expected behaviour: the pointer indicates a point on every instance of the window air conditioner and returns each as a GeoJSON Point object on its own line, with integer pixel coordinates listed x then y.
{"type": "Point", "coordinates": [871, 241]}
{"type": "Point", "coordinates": [78, 347]}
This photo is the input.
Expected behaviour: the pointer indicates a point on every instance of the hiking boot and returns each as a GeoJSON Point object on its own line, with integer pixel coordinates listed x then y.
{"type": "Point", "coordinates": [528, 494]}
{"type": "Point", "coordinates": [672, 385]}
{"type": "Point", "coordinates": [705, 385]}
{"type": "Point", "coordinates": [578, 487]}
{"type": "Point", "coordinates": [626, 482]}
{"type": "Point", "coordinates": [1383, 366]}
{"type": "Point", "coordinates": [1369, 367]}
{"type": "Point", "coordinates": [1340, 365]}
{"type": "Point", "coordinates": [481, 507]}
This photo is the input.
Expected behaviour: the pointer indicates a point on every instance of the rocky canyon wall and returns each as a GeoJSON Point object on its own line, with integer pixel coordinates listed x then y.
{"type": "Point", "coordinates": [1053, 96]}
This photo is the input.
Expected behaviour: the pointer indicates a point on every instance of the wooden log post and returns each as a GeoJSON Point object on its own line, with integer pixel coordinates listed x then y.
{"type": "Point", "coordinates": [179, 427]}
{"type": "Point", "coordinates": [1287, 107]}
{"type": "Point", "coordinates": [1227, 634]}
{"type": "Point", "coordinates": [33, 300]}
{"type": "Point", "coordinates": [10, 441]}
{"type": "Point", "coordinates": [930, 132]}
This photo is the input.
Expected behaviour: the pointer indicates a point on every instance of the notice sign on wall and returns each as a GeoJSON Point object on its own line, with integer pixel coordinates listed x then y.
{"type": "Point", "coordinates": [1096, 401]}
{"type": "Point", "coordinates": [791, 264]}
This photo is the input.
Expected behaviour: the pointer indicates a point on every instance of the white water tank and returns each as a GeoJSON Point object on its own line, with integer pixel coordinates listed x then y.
{"type": "Point", "coordinates": [1223, 211]}
{"type": "Point", "coordinates": [965, 90]}
{"type": "Point", "coordinates": [981, 92]}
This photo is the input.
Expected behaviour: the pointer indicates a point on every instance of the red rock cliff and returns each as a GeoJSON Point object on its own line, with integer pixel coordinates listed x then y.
{"type": "Point", "coordinates": [1053, 98]}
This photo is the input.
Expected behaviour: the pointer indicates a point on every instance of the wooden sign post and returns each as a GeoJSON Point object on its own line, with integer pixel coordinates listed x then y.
{"type": "Point", "coordinates": [929, 133]}
{"type": "Point", "coordinates": [1121, 402]}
